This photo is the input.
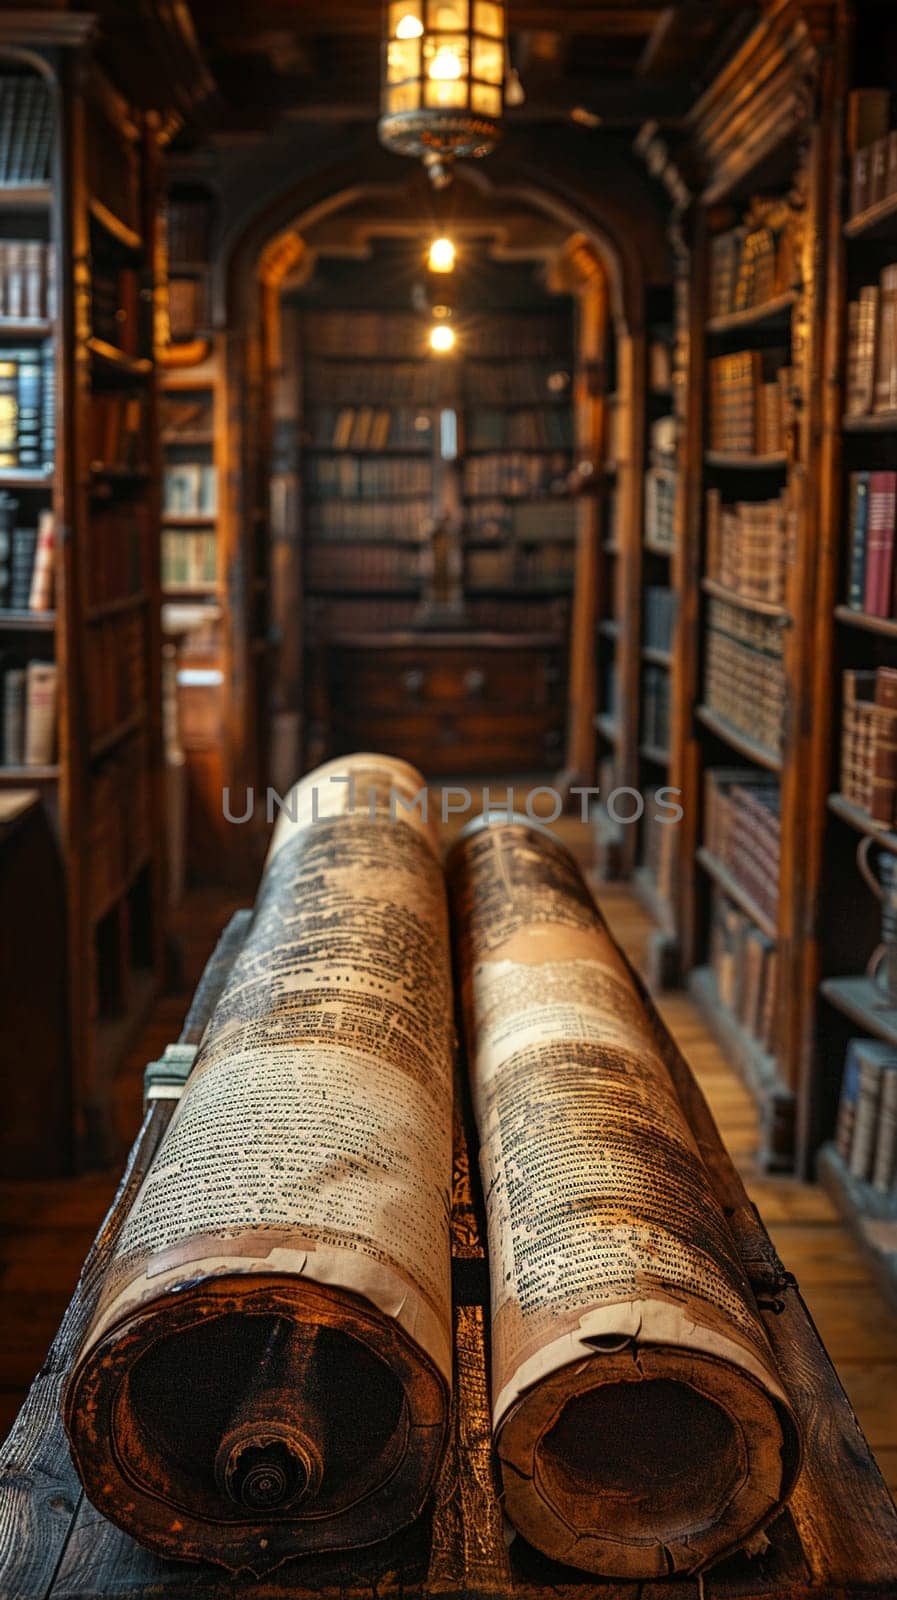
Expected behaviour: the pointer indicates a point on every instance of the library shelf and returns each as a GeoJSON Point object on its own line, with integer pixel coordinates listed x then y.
{"type": "Point", "coordinates": [875, 422]}
{"type": "Point", "coordinates": [764, 608]}
{"type": "Point", "coordinates": [26, 327]}
{"type": "Point", "coordinates": [861, 619]}
{"type": "Point", "coordinates": [742, 742]}
{"type": "Point", "coordinates": [771, 312]}
{"type": "Point", "coordinates": [735, 461]}
{"type": "Point", "coordinates": [864, 1002]}
{"type": "Point", "coordinates": [760, 1071]}
{"type": "Point", "coordinates": [870, 1215]}
{"type": "Point", "coordinates": [878, 219]}
{"type": "Point", "coordinates": [654, 753]}
{"type": "Point", "coordinates": [201, 519]}
{"type": "Point", "coordinates": [734, 891]}
{"type": "Point", "coordinates": [27, 621]}
{"type": "Point", "coordinates": [861, 822]}
{"type": "Point", "coordinates": [658, 658]}
{"type": "Point", "coordinates": [608, 727]}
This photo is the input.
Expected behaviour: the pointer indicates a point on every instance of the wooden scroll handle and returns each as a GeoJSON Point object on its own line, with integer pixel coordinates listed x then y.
{"type": "Point", "coordinates": [272, 1452]}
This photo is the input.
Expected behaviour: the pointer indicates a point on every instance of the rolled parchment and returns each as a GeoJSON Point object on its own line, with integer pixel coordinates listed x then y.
{"type": "Point", "coordinates": [641, 1425]}
{"type": "Point", "coordinates": [268, 1369]}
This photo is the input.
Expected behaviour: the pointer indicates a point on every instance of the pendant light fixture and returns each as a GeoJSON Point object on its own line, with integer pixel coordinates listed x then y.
{"type": "Point", "coordinates": [443, 80]}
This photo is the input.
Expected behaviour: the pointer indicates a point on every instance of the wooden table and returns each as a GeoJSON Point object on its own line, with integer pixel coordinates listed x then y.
{"type": "Point", "coordinates": [837, 1540]}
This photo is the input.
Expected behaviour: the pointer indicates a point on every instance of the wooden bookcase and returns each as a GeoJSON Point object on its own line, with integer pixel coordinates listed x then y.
{"type": "Point", "coordinates": [757, 156]}
{"type": "Point", "coordinates": [438, 513]}
{"type": "Point", "coordinates": [95, 206]}
{"type": "Point", "coordinates": [851, 1003]}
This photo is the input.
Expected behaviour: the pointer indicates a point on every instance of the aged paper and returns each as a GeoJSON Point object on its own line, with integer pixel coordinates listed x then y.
{"type": "Point", "coordinates": [609, 1255]}
{"type": "Point", "coordinates": [313, 1140]}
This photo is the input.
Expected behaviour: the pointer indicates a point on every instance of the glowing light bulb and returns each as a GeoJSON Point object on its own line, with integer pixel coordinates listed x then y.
{"type": "Point", "coordinates": [442, 256]}
{"type": "Point", "coordinates": [446, 65]}
{"type": "Point", "coordinates": [442, 338]}
{"type": "Point", "coordinates": [409, 27]}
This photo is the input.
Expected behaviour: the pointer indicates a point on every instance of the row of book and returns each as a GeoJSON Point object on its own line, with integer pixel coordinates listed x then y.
{"type": "Point", "coordinates": [118, 821]}
{"type": "Point", "coordinates": [27, 280]}
{"type": "Point", "coordinates": [745, 673]}
{"type": "Point", "coordinates": [655, 728]}
{"type": "Point", "coordinates": [750, 403]}
{"type": "Point", "coordinates": [189, 560]}
{"type": "Point", "coordinates": [118, 430]}
{"type": "Point", "coordinates": [550, 428]}
{"type": "Point", "coordinates": [515, 382]}
{"type": "Point", "coordinates": [372, 566]}
{"type": "Point", "coordinates": [742, 830]}
{"type": "Point", "coordinates": [658, 852]}
{"type": "Point", "coordinates": [528, 522]}
{"type": "Point", "coordinates": [368, 427]}
{"type": "Point", "coordinates": [26, 560]}
{"type": "Point", "coordinates": [29, 714]}
{"type": "Point", "coordinates": [188, 228]}
{"type": "Point", "coordinates": [354, 476]}
{"type": "Point", "coordinates": [342, 520]}
{"type": "Point", "coordinates": [382, 384]}
{"type": "Point", "coordinates": [747, 545]}
{"type": "Point", "coordinates": [190, 489]}
{"type": "Point", "coordinates": [368, 334]}
{"type": "Point", "coordinates": [755, 261]}
{"type": "Point", "coordinates": [492, 613]}
{"type": "Point", "coordinates": [869, 742]}
{"type": "Point", "coordinates": [28, 408]}
{"type": "Point", "coordinates": [515, 474]}
{"type": "Point", "coordinates": [120, 534]}
{"type": "Point", "coordinates": [117, 310]}
{"type": "Point", "coordinates": [745, 965]}
{"type": "Point", "coordinates": [872, 347]}
{"type": "Point", "coordinates": [660, 617]}
{"type": "Point", "coordinates": [188, 308]}
{"type": "Point", "coordinates": [872, 506]}
{"type": "Point", "coordinates": [872, 142]}
{"type": "Point", "coordinates": [184, 415]}
{"type": "Point", "coordinates": [660, 484]}
{"type": "Point", "coordinates": [26, 130]}
{"type": "Point", "coordinates": [506, 567]}
{"type": "Point", "coordinates": [866, 1126]}
{"type": "Point", "coordinates": [116, 671]}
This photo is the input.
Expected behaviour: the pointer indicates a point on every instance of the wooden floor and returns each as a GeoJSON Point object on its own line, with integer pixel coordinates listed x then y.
{"type": "Point", "coordinates": [46, 1228]}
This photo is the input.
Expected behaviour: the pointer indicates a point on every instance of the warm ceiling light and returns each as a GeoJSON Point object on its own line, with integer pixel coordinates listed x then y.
{"type": "Point", "coordinates": [443, 88]}
{"type": "Point", "coordinates": [442, 256]}
{"type": "Point", "coordinates": [442, 338]}
{"type": "Point", "coordinates": [445, 66]}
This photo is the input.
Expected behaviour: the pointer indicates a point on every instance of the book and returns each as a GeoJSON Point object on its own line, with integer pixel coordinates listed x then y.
{"type": "Point", "coordinates": [880, 544]}
{"type": "Point", "coordinates": [24, 545]}
{"type": "Point", "coordinates": [861, 351]}
{"type": "Point", "coordinates": [847, 1104]}
{"type": "Point", "coordinates": [858, 517]}
{"type": "Point", "coordinates": [14, 717]}
{"type": "Point", "coordinates": [40, 596]}
{"type": "Point", "coordinates": [884, 756]}
{"type": "Point", "coordinates": [886, 343]}
{"type": "Point", "coordinates": [884, 1164]}
{"type": "Point", "coordinates": [874, 1058]}
{"type": "Point", "coordinates": [40, 713]}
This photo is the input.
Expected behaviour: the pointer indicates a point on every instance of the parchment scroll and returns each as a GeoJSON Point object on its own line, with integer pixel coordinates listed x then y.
{"type": "Point", "coordinates": [269, 1365]}
{"type": "Point", "coordinates": [640, 1422]}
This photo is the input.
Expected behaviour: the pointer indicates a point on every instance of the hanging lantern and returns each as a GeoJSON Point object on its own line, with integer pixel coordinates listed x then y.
{"type": "Point", "coordinates": [443, 80]}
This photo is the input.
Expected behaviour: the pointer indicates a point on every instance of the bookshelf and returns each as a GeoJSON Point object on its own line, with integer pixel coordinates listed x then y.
{"type": "Point", "coordinates": [747, 692]}
{"type": "Point", "coordinates": [856, 1025]}
{"type": "Point", "coordinates": [194, 450]}
{"type": "Point", "coordinates": [79, 614]}
{"type": "Point", "coordinates": [653, 873]}
{"type": "Point", "coordinates": [438, 519]}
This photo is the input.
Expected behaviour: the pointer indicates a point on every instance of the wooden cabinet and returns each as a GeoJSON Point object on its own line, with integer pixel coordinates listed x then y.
{"type": "Point", "coordinates": [454, 703]}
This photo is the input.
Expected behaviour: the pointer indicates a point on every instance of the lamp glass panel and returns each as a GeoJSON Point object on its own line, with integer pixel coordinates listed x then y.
{"type": "Point", "coordinates": [403, 60]}
{"type": "Point", "coordinates": [489, 18]}
{"type": "Point", "coordinates": [445, 96]}
{"type": "Point", "coordinates": [401, 10]}
{"type": "Point", "coordinates": [404, 97]}
{"type": "Point", "coordinates": [446, 58]}
{"type": "Point", "coordinates": [486, 100]}
{"type": "Point", "coordinates": [489, 60]}
{"type": "Point", "coordinates": [448, 16]}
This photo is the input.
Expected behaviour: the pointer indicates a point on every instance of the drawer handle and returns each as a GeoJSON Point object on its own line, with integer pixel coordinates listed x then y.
{"type": "Point", "coordinates": [474, 683]}
{"type": "Point", "coordinates": [413, 682]}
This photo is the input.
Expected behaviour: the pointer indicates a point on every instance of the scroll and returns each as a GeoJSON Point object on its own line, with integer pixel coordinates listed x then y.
{"type": "Point", "coordinates": [641, 1426]}
{"type": "Point", "coordinates": [268, 1368]}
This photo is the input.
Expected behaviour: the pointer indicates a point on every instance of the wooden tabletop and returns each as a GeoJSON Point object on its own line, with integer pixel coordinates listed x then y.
{"type": "Point", "coordinates": [837, 1540]}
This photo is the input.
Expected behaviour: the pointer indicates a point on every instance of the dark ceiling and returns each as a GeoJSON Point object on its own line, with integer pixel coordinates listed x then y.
{"type": "Point", "coordinates": [240, 67]}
